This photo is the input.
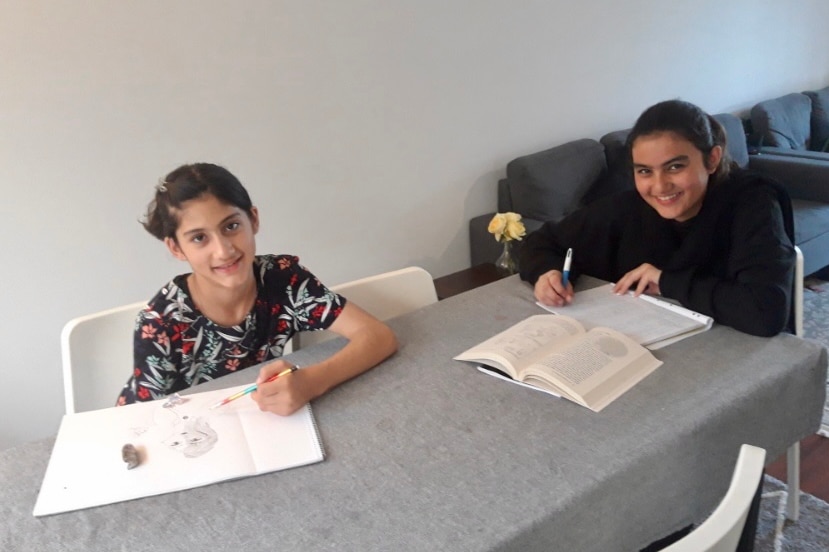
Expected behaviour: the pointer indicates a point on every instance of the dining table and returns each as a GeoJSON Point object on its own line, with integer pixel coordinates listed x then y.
{"type": "Point", "coordinates": [425, 453]}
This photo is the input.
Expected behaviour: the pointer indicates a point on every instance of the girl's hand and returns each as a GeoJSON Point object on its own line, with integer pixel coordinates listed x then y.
{"type": "Point", "coordinates": [549, 289]}
{"type": "Point", "coordinates": [645, 277]}
{"type": "Point", "coordinates": [286, 394]}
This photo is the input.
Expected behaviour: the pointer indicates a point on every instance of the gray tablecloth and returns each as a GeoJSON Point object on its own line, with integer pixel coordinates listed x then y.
{"type": "Point", "coordinates": [425, 453]}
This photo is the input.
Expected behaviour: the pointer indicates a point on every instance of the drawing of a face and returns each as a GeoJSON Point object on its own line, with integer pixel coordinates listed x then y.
{"type": "Point", "coordinates": [193, 437]}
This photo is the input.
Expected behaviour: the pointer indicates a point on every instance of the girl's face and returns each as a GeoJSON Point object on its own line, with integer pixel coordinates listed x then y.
{"type": "Point", "coordinates": [671, 174]}
{"type": "Point", "coordinates": [217, 240]}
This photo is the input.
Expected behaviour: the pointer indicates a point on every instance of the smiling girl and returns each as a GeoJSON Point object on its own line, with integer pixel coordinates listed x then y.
{"type": "Point", "coordinates": [236, 309]}
{"type": "Point", "coordinates": [696, 229]}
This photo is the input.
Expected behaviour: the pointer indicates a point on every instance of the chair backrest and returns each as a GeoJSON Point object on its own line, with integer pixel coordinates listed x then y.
{"type": "Point", "coordinates": [721, 531]}
{"type": "Point", "coordinates": [97, 357]}
{"type": "Point", "coordinates": [384, 296]}
{"type": "Point", "coordinates": [797, 300]}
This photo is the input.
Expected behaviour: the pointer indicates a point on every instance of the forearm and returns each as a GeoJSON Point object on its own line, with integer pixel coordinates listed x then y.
{"type": "Point", "coordinates": [366, 348]}
{"type": "Point", "coordinates": [593, 233]}
{"type": "Point", "coordinates": [539, 253]}
{"type": "Point", "coordinates": [754, 305]}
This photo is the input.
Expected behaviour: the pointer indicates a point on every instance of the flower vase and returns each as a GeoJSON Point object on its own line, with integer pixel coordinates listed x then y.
{"type": "Point", "coordinates": [506, 263]}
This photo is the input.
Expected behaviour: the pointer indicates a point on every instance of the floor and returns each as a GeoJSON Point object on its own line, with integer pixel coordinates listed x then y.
{"type": "Point", "coordinates": [814, 466]}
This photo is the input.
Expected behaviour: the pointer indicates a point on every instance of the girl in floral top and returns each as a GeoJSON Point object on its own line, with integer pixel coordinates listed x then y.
{"type": "Point", "coordinates": [236, 309]}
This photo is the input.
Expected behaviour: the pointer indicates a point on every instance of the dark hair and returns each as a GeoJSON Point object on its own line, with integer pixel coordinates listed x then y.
{"type": "Point", "coordinates": [689, 122]}
{"type": "Point", "coordinates": [190, 182]}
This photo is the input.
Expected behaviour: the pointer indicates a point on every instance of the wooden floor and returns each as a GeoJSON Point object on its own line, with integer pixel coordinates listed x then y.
{"type": "Point", "coordinates": [814, 467]}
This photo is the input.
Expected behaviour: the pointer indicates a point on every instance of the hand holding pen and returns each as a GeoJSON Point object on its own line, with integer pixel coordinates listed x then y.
{"type": "Point", "coordinates": [553, 288]}
{"type": "Point", "coordinates": [565, 273]}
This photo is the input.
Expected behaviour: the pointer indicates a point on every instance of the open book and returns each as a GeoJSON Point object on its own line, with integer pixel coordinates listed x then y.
{"type": "Point", "coordinates": [555, 353]}
{"type": "Point", "coordinates": [650, 321]}
{"type": "Point", "coordinates": [180, 442]}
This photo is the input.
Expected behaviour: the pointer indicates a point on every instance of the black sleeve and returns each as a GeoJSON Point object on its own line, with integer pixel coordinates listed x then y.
{"type": "Point", "coordinates": [756, 293]}
{"type": "Point", "coordinates": [540, 252]}
{"type": "Point", "coordinates": [593, 232]}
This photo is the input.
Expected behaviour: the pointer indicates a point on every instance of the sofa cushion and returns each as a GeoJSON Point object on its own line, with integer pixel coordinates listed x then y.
{"type": "Point", "coordinates": [550, 184]}
{"type": "Point", "coordinates": [820, 118]}
{"type": "Point", "coordinates": [811, 219]}
{"type": "Point", "coordinates": [735, 138]}
{"type": "Point", "coordinates": [616, 150]}
{"type": "Point", "coordinates": [619, 170]}
{"type": "Point", "coordinates": [784, 122]}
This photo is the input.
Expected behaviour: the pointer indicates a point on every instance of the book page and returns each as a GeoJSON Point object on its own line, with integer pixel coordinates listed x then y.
{"type": "Point", "coordinates": [595, 369]}
{"type": "Point", "coordinates": [181, 445]}
{"type": "Point", "coordinates": [489, 371]}
{"type": "Point", "coordinates": [520, 344]}
{"type": "Point", "coordinates": [648, 321]}
{"type": "Point", "coordinates": [298, 443]}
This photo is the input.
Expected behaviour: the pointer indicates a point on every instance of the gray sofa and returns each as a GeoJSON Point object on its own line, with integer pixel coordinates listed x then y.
{"type": "Point", "coordinates": [548, 185]}
{"type": "Point", "coordinates": [795, 125]}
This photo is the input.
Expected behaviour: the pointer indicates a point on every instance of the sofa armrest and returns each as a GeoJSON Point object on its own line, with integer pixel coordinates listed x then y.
{"type": "Point", "coordinates": [803, 178]}
{"type": "Point", "coordinates": [482, 245]}
{"type": "Point", "coordinates": [786, 152]}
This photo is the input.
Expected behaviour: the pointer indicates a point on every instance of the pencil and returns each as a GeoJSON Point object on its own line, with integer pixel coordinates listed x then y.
{"type": "Point", "coordinates": [253, 387]}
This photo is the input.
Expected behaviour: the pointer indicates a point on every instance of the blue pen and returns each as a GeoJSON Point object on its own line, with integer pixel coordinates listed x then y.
{"type": "Point", "coordinates": [565, 274]}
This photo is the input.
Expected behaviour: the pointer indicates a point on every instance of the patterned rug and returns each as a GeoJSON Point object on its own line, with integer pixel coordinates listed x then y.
{"type": "Point", "coordinates": [811, 532]}
{"type": "Point", "coordinates": [816, 326]}
{"type": "Point", "coordinates": [775, 534]}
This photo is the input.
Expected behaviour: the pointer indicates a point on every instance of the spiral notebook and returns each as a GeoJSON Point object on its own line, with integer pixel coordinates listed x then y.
{"type": "Point", "coordinates": [181, 444]}
{"type": "Point", "coordinates": [653, 322]}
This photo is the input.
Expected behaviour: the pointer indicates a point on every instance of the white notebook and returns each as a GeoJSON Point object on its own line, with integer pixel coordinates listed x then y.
{"type": "Point", "coordinates": [180, 446]}
{"type": "Point", "coordinates": [650, 321]}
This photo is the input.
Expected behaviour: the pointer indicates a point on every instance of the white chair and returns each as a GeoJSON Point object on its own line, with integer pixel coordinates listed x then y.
{"type": "Point", "coordinates": [721, 531]}
{"type": "Point", "coordinates": [97, 357]}
{"type": "Point", "coordinates": [383, 296]}
{"type": "Point", "coordinates": [793, 453]}
{"type": "Point", "coordinates": [96, 352]}
{"type": "Point", "coordinates": [798, 292]}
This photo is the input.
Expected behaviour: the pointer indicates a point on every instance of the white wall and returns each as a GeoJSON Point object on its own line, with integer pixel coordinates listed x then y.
{"type": "Point", "coordinates": [368, 131]}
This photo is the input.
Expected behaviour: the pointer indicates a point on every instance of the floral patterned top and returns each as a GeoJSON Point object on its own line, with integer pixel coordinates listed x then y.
{"type": "Point", "coordinates": [176, 346]}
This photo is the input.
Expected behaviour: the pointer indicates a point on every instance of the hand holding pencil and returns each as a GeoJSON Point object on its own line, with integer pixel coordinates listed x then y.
{"type": "Point", "coordinates": [285, 395]}
{"type": "Point", "coordinates": [255, 386]}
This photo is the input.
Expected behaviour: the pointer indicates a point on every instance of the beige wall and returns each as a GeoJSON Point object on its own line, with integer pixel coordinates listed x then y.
{"type": "Point", "coordinates": [367, 131]}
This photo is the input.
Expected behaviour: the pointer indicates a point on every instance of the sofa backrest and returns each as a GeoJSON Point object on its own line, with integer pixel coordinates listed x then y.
{"type": "Point", "coordinates": [820, 118]}
{"type": "Point", "coordinates": [550, 184]}
{"type": "Point", "coordinates": [735, 135]}
{"type": "Point", "coordinates": [783, 122]}
{"type": "Point", "coordinates": [617, 156]}
{"type": "Point", "coordinates": [619, 172]}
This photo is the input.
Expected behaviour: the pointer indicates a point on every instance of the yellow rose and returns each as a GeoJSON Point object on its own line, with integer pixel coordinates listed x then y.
{"type": "Point", "coordinates": [506, 227]}
{"type": "Point", "coordinates": [497, 226]}
{"type": "Point", "coordinates": [515, 229]}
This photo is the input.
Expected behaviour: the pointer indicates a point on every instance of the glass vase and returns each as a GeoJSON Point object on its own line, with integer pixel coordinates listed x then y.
{"type": "Point", "coordinates": [506, 263]}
